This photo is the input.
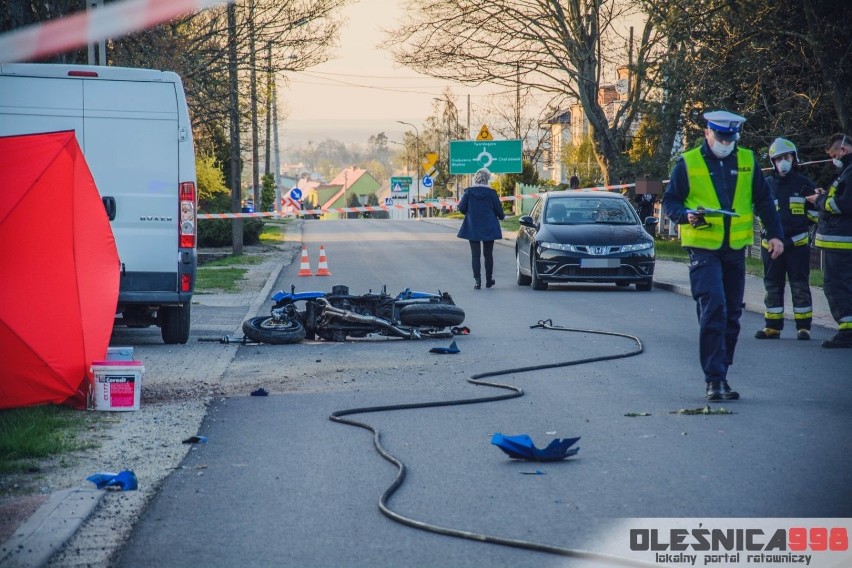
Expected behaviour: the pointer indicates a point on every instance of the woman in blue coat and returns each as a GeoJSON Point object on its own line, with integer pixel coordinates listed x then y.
{"type": "Point", "coordinates": [481, 226]}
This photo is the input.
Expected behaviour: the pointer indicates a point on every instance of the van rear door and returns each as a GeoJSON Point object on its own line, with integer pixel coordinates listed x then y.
{"type": "Point", "coordinates": [141, 173]}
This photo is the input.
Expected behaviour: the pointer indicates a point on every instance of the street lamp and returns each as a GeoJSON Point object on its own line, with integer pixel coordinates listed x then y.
{"type": "Point", "coordinates": [417, 158]}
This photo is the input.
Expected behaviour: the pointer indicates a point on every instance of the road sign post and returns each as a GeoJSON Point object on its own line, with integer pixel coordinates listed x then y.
{"type": "Point", "coordinates": [499, 156]}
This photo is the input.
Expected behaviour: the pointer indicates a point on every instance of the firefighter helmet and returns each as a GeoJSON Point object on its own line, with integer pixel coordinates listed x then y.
{"type": "Point", "coordinates": [782, 146]}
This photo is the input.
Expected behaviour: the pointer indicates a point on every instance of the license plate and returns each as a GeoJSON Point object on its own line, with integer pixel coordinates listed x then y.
{"type": "Point", "coordinates": [599, 263]}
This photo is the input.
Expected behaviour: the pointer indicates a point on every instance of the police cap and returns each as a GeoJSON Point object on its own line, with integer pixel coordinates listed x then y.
{"type": "Point", "coordinates": [726, 125]}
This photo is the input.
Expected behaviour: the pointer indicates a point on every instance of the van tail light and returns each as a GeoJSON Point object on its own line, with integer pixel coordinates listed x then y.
{"type": "Point", "coordinates": [188, 219]}
{"type": "Point", "coordinates": [185, 283]}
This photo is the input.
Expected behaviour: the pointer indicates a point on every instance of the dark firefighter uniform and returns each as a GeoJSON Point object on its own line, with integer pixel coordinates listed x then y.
{"type": "Point", "coordinates": [834, 237]}
{"type": "Point", "coordinates": [700, 179]}
{"type": "Point", "coordinates": [789, 192]}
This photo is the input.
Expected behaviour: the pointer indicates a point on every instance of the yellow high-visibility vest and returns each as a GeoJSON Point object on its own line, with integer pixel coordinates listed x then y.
{"type": "Point", "coordinates": [703, 194]}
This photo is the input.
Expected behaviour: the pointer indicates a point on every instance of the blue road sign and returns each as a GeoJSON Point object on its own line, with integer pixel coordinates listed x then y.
{"type": "Point", "coordinates": [427, 181]}
{"type": "Point", "coordinates": [295, 194]}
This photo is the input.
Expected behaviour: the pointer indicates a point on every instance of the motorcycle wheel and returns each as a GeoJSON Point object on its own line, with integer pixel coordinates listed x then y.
{"type": "Point", "coordinates": [266, 330]}
{"type": "Point", "coordinates": [437, 315]}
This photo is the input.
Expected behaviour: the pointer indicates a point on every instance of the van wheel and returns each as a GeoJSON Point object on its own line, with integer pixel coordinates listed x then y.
{"type": "Point", "coordinates": [174, 323]}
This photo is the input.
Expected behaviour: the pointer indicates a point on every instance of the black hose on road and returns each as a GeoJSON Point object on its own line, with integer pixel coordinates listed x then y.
{"type": "Point", "coordinates": [516, 392]}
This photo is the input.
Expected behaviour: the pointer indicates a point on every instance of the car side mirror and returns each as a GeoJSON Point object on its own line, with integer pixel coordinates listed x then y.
{"type": "Point", "coordinates": [527, 221]}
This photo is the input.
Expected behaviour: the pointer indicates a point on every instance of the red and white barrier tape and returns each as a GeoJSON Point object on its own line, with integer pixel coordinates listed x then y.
{"type": "Point", "coordinates": [443, 204]}
{"type": "Point", "coordinates": [83, 28]}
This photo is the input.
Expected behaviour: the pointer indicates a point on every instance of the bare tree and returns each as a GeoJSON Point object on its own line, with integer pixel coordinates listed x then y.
{"type": "Point", "coordinates": [558, 47]}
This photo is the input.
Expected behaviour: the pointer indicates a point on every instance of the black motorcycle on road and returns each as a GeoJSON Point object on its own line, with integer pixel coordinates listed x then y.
{"type": "Point", "coordinates": [341, 315]}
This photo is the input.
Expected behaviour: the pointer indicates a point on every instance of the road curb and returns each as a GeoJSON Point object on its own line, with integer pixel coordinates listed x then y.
{"type": "Point", "coordinates": [50, 527]}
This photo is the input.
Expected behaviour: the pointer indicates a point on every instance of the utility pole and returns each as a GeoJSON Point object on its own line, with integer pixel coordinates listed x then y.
{"type": "Point", "coordinates": [269, 94]}
{"type": "Point", "coordinates": [255, 152]}
{"type": "Point", "coordinates": [234, 110]}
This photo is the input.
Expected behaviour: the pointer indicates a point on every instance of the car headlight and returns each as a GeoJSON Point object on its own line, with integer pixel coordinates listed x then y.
{"type": "Point", "coordinates": [637, 246]}
{"type": "Point", "coordinates": [558, 246]}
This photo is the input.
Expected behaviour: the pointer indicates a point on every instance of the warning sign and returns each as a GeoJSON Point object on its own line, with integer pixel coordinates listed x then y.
{"type": "Point", "coordinates": [484, 134]}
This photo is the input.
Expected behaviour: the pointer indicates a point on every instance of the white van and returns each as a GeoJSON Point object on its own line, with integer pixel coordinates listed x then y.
{"type": "Point", "coordinates": [133, 126]}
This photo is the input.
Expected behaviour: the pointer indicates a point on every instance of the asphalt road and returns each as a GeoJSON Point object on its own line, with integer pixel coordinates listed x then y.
{"type": "Point", "coordinates": [280, 484]}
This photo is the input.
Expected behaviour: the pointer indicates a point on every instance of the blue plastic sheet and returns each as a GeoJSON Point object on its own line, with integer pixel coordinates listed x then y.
{"type": "Point", "coordinates": [453, 348]}
{"type": "Point", "coordinates": [124, 480]}
{"type": "Point", "coordinates": [522, 448]}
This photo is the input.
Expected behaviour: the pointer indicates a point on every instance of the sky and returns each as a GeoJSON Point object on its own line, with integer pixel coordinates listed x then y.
{"type": "Point", "coordinates": [362, 89]}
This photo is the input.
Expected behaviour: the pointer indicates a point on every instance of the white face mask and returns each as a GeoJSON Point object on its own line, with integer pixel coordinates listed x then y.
{"type": "Point", "coordinates": [784, 166]}
{"type": "Point", "coordinates": [722, 150]}
{"type": "Point", "coordinates": [838, 163]}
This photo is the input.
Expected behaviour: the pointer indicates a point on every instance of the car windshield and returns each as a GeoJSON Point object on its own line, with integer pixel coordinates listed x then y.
{"type": "Point", "coordinates": [587, 211]}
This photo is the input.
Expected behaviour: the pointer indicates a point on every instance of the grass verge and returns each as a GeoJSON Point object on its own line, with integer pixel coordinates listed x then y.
{"type": "Point", "coordinates": [33, 433]}
{"type": "Point", "coordinates": [223, 273]}
{"type": "Point", "coordinates": [273, 232]}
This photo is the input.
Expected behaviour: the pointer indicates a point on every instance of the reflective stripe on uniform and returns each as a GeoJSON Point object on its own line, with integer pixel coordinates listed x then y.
{"type": "Point", "coordinates": [831, 205]}
{"type": "Point", "coordinates": [797, 205]}
{"type": "Point", "coordinates": [800, 239]}
{"type": "Point", "coordinates": [833, 242]}
{"type": "Point", "coordinates": [803, 313]}
{"type": "Point", "coordinates": [776, 313]}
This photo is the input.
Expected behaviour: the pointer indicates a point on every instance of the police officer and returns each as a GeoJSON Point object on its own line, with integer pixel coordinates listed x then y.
{"type": "Point", "coordinates": [834, 237]}
{"type": "Point", "coordinates": [789, 189]}
{"type": "Point", "coordinates": [720, 176]}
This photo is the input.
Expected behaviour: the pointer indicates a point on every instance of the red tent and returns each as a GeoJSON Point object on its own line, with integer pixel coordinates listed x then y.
{"type": "Point", "coordinates": [59, 271]}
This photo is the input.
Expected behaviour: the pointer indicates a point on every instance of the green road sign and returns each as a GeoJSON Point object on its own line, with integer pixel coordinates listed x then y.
{"type": "Point", "coordinates": [400, 187]}
{"type": "Point", "coordinates": [499, 156]}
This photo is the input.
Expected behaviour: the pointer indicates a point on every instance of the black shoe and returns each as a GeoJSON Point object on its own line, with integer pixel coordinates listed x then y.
{"type": "Point", "coordinates": [803, 334]}
{"type": "Point", "coordinates": [728, 393]}
{"type": "Point", "coordinates": [489, 282]}
{"type": "Point", "coordinates": [714, 391]}
{"type": "Point", "coordinates": [838, 343]}
{"type": "Point", "coordinates": [477, 284]}
{"type": "Point", "coordinates": [720, 390]}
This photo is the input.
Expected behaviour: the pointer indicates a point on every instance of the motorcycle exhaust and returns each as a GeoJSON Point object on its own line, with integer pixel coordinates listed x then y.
{"type": "Point", "coordinates": [346, 315]}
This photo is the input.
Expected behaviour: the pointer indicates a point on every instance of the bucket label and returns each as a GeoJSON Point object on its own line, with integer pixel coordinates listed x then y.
{"type": "Point", "coordinates": [119, 391]}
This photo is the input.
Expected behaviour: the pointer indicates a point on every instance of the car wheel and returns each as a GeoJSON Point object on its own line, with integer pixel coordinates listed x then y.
{"type": "Point", "coordinates": [537, 283]}
{"type": "Point", "coordinates": [521, 278]}
{"type": "Point", "coordinates": [645, 285]}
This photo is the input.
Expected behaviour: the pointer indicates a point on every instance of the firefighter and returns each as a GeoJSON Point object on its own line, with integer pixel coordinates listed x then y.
{"type": "Point", "coordinates": [789, 190]}
{"type": "Point", "coordinates": [722, 177]}
{"type": "Point", "coordinates": [834, 238]}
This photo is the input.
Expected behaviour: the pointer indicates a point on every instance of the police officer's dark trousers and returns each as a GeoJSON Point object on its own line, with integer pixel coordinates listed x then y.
{"type": "Point", "coordinates": [793, 264]}
{"type": "Point", "coordinates": [717, 279]}
{"type": "Point", "coordinates": [837, 284]}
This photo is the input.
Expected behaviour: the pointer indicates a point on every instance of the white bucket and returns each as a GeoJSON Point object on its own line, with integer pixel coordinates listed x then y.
{"type": "Point", "coordinates": [117, 385]}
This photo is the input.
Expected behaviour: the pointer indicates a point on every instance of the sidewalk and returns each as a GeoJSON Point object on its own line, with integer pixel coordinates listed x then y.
{"type": "Point", "coordinates": [674, 277]}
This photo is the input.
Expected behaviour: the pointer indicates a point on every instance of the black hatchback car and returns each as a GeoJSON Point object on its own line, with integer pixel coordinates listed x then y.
{"type": "Point", "coordinates": [584, 236]}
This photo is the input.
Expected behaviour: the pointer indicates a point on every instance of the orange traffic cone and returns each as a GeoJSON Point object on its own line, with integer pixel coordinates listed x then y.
{"type": "Point", "coordinates": [305, 268]}
{"type": "Point", "coordinates": [322, 269]}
